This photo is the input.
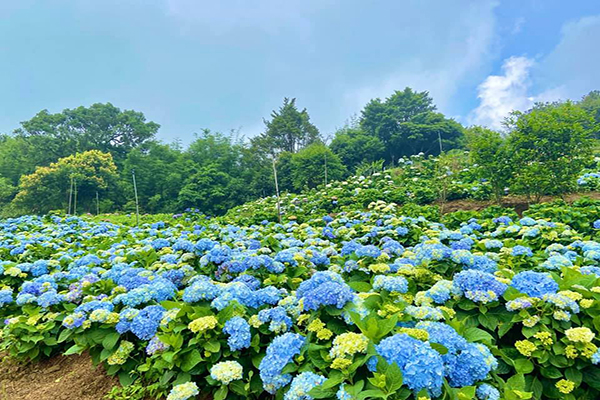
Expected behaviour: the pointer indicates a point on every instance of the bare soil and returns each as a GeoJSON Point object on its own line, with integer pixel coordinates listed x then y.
{"type": "Point", "coordinates": [518, 203]}
{"type": "Point", "coordinates": [58, 378]}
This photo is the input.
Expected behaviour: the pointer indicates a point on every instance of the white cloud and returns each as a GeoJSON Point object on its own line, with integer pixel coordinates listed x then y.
{"type": "Point", "coordinates": [569, 71]}
{"type": "Point", "coordinates": [444, 50]}
{"type": "Point", "coordinates": [573, 64]}
{"type": "Point", "coordinates": [501, 94]}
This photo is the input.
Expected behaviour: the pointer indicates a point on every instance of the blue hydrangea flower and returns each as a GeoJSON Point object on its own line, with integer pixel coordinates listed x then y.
{"type": "Point", "coordinates": [302, 384]}
{"type": "Point", "coordinates": [472, 364]}
{"type": "Point", "coordinates": [421, 366]}
{"type": "Point", "coordinates": [521, 251]}
{"type": "Point", "coordinates": [390, 283]}
{"type": "Point", "coordinates": [280, 352]}
{"type": "Point", "coordinates": [368, 251]}
{"type": "Point", "coordinates": [478, 286]}
{"type": "Point", "coordinates": [6, 296]}
{"type": "Point", "coordinates": [200, 289]}
{"type": "Point", "coordinates": [239, 333]}
{"type": "Point", "coordinates": [534, 284]}
{"type": "Point", "coordinates": [487, 392]}
{"type": "Point", "coordinates": [324, 288]}
{"type": "Point", "coordinates": [145, 324]}
{"type": "Point", "coordinates": [280, 321]}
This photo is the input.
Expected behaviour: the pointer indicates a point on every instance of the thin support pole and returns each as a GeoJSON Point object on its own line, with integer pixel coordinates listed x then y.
{"type": "Point", "coordinates": [326, 167]}
{"type": "Point", "coordinates": [97, 204]}
{"type": "Point", "coordinates": [70, 196]}
{"type": "Point", "coordinates": [277, 190]}
{"type": "Point", "coordinates": [75, 199]}
{"type": "Point", "coordinates": [137, 205]}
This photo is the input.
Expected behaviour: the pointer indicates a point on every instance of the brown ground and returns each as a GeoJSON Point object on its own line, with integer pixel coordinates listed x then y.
{"type": "Point", "coordinates": [518, 203]}
{"type": "Point", "coordinates": [58, 378]}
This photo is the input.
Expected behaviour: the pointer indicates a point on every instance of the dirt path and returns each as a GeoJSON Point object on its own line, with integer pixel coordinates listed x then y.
{"type": "Point", "coordinates": [58, 378]}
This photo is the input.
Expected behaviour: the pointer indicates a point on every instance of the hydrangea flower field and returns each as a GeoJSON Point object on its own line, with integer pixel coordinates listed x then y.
{"type": "Point", "coordinates": [360, 305]}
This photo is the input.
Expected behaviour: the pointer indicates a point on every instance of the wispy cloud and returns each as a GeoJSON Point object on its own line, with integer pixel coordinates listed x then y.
{"type": "Point", "coordinates": [567, 72]}
{"type": "Point", "coordinates": [501, 94]}
{"type": "Point", "coordinates": [455, 42]}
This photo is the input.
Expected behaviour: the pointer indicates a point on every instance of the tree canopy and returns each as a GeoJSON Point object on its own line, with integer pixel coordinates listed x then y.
{"type": "Point", "coordinates": [407, 123]}
{"type": "Point", "coordinates": [101, 127]}
{"type": "Point", "coordinates": [289, 129]}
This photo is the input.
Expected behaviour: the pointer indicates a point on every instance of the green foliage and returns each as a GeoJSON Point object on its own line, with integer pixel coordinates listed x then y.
{"type": "Point", "coordinates": [406, 123]}
{"type": "Point", "coordinates": [47, 188]}
{"type": "Point", "coordinates": [288, 130]}
{"type": "Point", "coordinates": [311, 164]}
{"type": "Point", "coordinates": [591, 104]}
{"type": "Point", "coordinates": [354, 147]}
{"type": "Point", "coordinates": [209, 189]}
{"type": "Point", "coordinates": [550, 145]}
{"type": "Point", "coordinates": [489, 150]}
{"type": "Point", "coordinates": [101, 127]}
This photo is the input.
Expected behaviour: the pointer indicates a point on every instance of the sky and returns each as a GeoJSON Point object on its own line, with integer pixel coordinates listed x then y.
{"type": "Point", "coordinates": [223, 65]}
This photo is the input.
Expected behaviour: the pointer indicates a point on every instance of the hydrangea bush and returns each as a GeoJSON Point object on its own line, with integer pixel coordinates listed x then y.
{"type": "Point", "coordinates": [358, 305]}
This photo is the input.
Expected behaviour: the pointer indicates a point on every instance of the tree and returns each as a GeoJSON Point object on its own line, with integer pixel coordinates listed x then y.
{"type": "Point", "coordinates": [591, 104]}
{"type": "Point", "coordinates": [353, 146]}
{"type": "Point", "coordinates": [308, 166]}
{"type": "Point", "coordinates": [288, 130]}
{"type": "Point", "coordinates": [7, 191]}
{"type": "Point", "coordinates": [18, 157]}
{"type": "Point", "coordinates": [406, 123]}
{"type": "Point", "coordinates": [159, 171]}
{"type": "Point", "coordinates": [48, 187]}
{"type": "Point", "coordinates": [209, 189]}
{"type": "Point", "coordinates": [550, 145]}
{"type": "Point", "coordinates": [213, 148]}
{"type": "Point", "coordinates": [489, 150]}
{"type": "Point", "coordinates": [101, 127]}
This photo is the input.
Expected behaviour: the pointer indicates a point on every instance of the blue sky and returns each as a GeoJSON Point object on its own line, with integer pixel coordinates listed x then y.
{"type": "Point", "coordinates": [193, 64]}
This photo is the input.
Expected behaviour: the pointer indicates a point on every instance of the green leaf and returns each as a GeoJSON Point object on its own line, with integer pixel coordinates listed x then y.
{"type": "Point", "coordinates": [488, 321]}
{"type": "Point", "coordinates": [64, 335]}
{"type": "Point", "coordinates": [320, 392]}
{"type": "Point", "coordinates": [221, 393]}
{"type": "Point", "coordinates": [574, 375]}
{"type": "Point", "coordinates": [192, 359]}
{"type": "Point", "coordinates": [238, 387]}
{"type": "Point", "coordinates": [516, 382]}
{"type": "Point", "coordinates": [504, 328]}
{"type": "Point", "coordinates": [439, 348]}
{"type": "Point", "coordinates": [360, 286]}
{"type": "Point", "coordinates": [393, 377]}
{"type": "Point", "coordinates": [110, 340]}
{"type": "Point", "coordinates": [537, 388]}
{"type": "Point", "coordinates": [478, 335]}
{"type": "Point", "coordinates": [523, 366]}
{"type": "Point", "coordinates": [75, 349]}
{"type": "Point", "coordinates": [125, 379]}
{"type": "Point", "coordinates": [372, 394]}
{"type": "Point", "coordinates": [466, 393]}
{"type": "Point", "coordinates": [212, 346]}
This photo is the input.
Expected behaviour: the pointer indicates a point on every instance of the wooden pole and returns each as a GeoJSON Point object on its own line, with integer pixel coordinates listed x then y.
{"type": "Point", "coordinates": [277, 190]}
{"type": "Point", "coordinates": [70, 196]}
{"type": "Point", "coordinates": [75, 199]}
{"type": "Point", "coordinates": [325, 166]}
{"type": "Point", "coordinates": [137, 205]}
